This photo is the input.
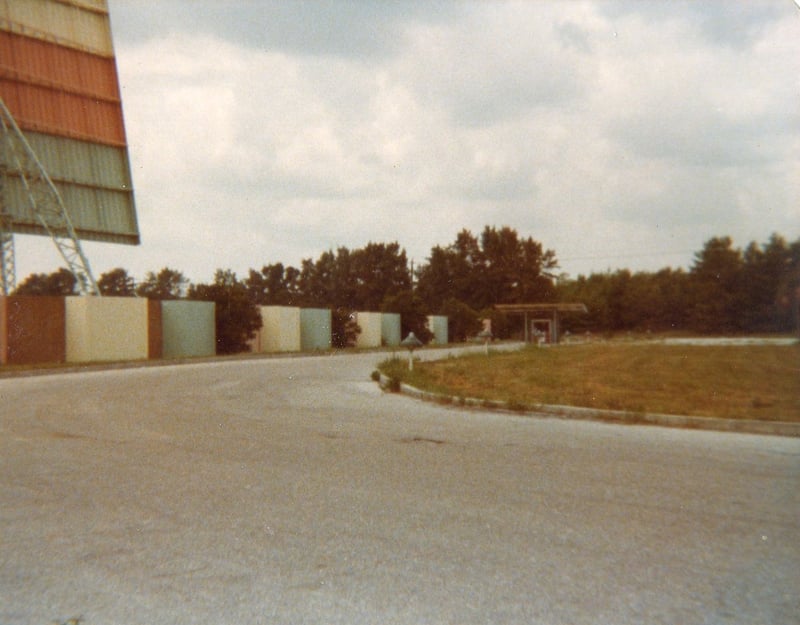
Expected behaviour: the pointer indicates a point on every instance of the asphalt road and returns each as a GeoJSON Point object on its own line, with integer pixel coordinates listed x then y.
{"type": "Point", "coordinates": [293, 491]}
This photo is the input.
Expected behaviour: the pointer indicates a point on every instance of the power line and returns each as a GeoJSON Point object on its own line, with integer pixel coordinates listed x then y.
{"type": "Point", "coordinates": [637, 255]}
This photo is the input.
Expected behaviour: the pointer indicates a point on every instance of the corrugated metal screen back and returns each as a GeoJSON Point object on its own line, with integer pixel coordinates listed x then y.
{"type": "Point", "coordinates": [41, 62]}
{"type": "Point", "coordinates": [57, 112]}
{"type": "Point", "coordinates": [97, 214]}
{"type": "Point", "coordinates": [94, 182]}
{"type": "Point", "coordinates": [80, 162]}
{"type": "Point", "coordinates": [58, 78]}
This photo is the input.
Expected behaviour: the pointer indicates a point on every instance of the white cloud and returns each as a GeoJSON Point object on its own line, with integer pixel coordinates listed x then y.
{"type": "Point", "coordinates": [618, 134]}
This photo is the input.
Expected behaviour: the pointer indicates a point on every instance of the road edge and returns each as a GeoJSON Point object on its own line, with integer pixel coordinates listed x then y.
{"type": "Point", "coordinates": [619, 417]}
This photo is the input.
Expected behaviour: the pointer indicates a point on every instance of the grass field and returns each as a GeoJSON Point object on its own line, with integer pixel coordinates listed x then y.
{"type": "Point", "coordinates": [731, 381]}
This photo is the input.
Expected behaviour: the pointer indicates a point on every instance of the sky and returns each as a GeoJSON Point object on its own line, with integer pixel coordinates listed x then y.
{"type": "Point", "coordinates": [617, 134]}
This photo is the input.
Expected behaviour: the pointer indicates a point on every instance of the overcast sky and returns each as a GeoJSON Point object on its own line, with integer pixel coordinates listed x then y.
{"type": "Point", "coordinates": [618, 134]}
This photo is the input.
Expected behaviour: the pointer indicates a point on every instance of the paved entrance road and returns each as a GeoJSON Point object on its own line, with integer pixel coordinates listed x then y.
{"type": "Point", "coordinates": [292, 491]}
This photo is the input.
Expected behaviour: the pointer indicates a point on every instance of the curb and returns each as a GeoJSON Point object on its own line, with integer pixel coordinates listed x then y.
{"type": "Point", "coordinates": [619, 417]}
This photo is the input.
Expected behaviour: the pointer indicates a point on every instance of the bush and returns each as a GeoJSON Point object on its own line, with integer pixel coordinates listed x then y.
{"type": "Point", "coordinates": [344, 329]}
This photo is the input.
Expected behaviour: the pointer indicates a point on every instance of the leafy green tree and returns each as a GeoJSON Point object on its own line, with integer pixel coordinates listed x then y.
{"type": "Point", "coordinates": [765, 270]}
{"type": "Point", "coordinates": [593, 291]}
{"type": "Point", "coordinates": [726, 290]}
{"type": "Point", "coordinates": [622, 301]}
{"type": "Point", "coordinates": [274, 285]}
{"type": "Point", "coordinates": [468, 277]}
{"type": "Point", "coordinates": [167, 284]}
{"type": "Point", "coordinates": [435, 279]}
{"type": "Point", "coordinates": [453, 272]}
{"type": "Point", "coordinates": [344, 281]}
{"type": "Point", "coordinates": [413, 314]}
{"type": "Point", "coordinates": [354, 280]}
{"type": "Point", "coordinates": [516, 270]}
{"type": "Point", "coordinates": [670, 310]}
{"type": "Point", "coordinates": [788, 292]}
{"type": "Point", "coordinates": [341, 286]}
{"type": "Point", "coordinates": [237, 316]}
{"type": "Point", "coordinates": [61, 282]}
{"type": "Point", "coordinates": [116, 283]}
{"type": "Point", "coordinates": [378, 270]}
{"type": "Point", "coordinates": [716, 284]}
{"type": "Point", "coordinates": [499, 268]}
{"type": "Point", "coordinates": [321, 282]}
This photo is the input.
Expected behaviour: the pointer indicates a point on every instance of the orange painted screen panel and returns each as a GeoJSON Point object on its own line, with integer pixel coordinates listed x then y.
{"type": "Point", "coordinates": [63, 114]}
{"type": "Point", "coordinates": [39, 62]}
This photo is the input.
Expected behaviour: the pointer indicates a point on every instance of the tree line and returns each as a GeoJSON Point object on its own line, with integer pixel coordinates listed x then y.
{"type": "Point", "coordinates": [726, 290]}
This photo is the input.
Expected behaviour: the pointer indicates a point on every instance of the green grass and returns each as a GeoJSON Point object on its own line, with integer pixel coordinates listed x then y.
{"type": "Point", "coordinates": [740, 382]}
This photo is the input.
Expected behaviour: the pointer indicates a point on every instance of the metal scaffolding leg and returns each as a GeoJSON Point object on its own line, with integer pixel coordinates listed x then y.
{"type": "Point", "coordinates": [8, 273]}
{"type": "Point", "coordinates": [7, 269]}
{"type": "Point", "coordinates": [45, 201]}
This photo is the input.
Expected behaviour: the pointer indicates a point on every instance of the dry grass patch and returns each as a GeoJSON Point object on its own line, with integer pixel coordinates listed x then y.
{"type": "Point", "coordinates": [738, 381]}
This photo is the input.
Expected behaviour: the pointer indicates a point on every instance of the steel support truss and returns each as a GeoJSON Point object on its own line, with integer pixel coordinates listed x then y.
{"type": "Point", "coordinates": [18, 159]}
{"type": "Point", "coordinates": [8, 272]}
